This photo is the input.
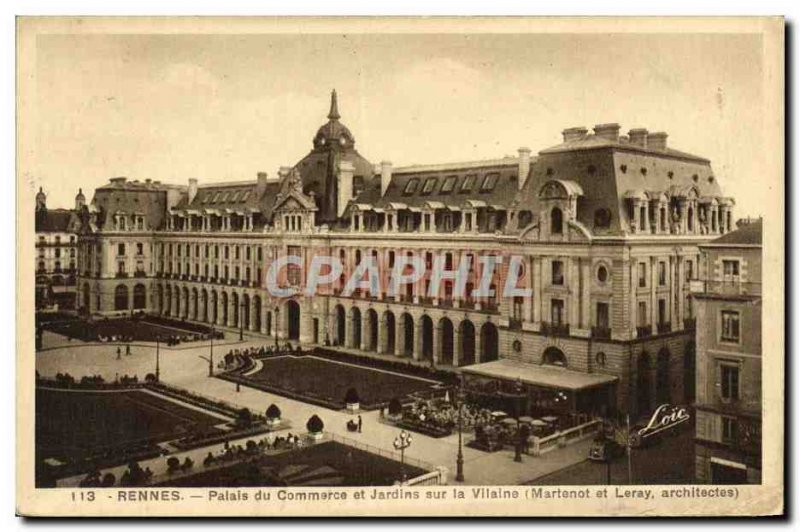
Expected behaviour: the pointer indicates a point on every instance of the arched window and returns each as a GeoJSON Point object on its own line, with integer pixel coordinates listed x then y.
{"type": "Point", "coordinates": [525, 218]}
{"type": "Point", "coordinates": [121, 297]}
{"type": "Point", "coordinates": [556, 221]}
{"type": "Point", "coordinates": [553, 356]}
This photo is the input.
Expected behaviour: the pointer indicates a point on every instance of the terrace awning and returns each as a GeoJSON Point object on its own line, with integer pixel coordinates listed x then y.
{"type": "Point", "coordinates": [545, 376]}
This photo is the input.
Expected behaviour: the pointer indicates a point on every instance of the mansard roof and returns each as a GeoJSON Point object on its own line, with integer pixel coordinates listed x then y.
{"type": "Point", "coordinates": [56, 221]}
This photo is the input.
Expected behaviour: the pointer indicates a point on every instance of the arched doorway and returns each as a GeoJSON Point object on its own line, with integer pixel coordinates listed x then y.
{"type": "Point", "coordinates": [257, 310]}
{"type": "Point", "coordinates": [195, 304]}
{"type": "Point", "coordinates": [235, 307]}
{"type": "Point", "coordinates": [224, 305]}
{"type": "Point", "coordinates": [662, 376]}
{"type": "Point", "coordinates": [340, 326]}
{"type": "Point", "coordinates": [446, 341]}
{"type": "Point", "coordinates": [643, 384]}
{"type": "Point", "coordinates": [139, 297]}
{"type": "Point", "coordinates": [489, 342]}
{"type": "Point", "coordinates": [246, 312]}
{"type": "Point", "coordinates": [355, 320]}
{"type": "Point", "coordinates": [269, 323]}
{"type": "Point", "coordinates": [204, 305]}
{"type": "Point", "coordinates": [389, 328]}
{"type": "Point", "coordinates": [689, 372]}
{"type": "Point", "coordinates": [408, 335]}
{"type": "Point", "coordinates": [167, 310]}
{"type": "Point", "coordinates": [427, 337]}
{"type": "Point", "coordinates": [372, 330]}
{"type": "Point", "coordinates": [467, 343]}
{"type": "Point", "coordinates": [213, 307]}
{"type": "Point", "coordinates": [553, 356]}
{"type": "Point", "coordinates": [121, 297]}
{"type": "Point", "coordinates": [86, 297]}
{"type": "Point", "coordinates": [185, 303]}
{"type": "Point", "coordinates": [293, 319]}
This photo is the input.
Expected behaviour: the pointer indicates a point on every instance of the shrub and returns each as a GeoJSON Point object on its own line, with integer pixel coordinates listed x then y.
{"type": "Point", "coordinates": [244, 417]}
{"type": "Point", "coordinates": [395, 407]}
{"type": "Point", "coordinates": [150, 377]}
{"type": "Point", "coordinates": [173, 464]}
{"type": "Point", "coordinates": [351, 396]}
{"type": "Point", "coordinates": [108, 480]}
{"type": "Point", "coordinates": [315, 424]}
{"type": "Point", "coordinates": [273, 412]}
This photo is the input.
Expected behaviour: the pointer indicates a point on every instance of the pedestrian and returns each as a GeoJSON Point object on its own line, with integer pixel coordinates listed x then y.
{"type": "Point", "coordinates": [128, 350]}
{"type": "Point", "coordinates": [119, 353]}
{"type": "Point", "coordinates": [359, 423]}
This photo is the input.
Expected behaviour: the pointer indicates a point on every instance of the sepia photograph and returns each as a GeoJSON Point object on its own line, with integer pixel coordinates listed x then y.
{"type": "Point", "coordinates": [428, 267]}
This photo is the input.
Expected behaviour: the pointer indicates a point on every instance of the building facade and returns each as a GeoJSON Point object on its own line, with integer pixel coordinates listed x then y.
{"type": "Point", "coordinates": [608, 227]}
{"type": "Point", "coordinates": [728, 308]}
{"type": "Point", "coordinates": [56, 253]}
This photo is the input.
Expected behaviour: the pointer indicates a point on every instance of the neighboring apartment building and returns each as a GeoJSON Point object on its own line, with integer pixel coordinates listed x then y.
{"type": "Point", "coordinates": [728, 310]}
{"type": "Point", "coordinates": [608, 226]}
{"type": "Point", "coordinates": [56, 254]}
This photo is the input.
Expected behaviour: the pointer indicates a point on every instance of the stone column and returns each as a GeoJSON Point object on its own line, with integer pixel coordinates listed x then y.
{"type": "Point", "coordinates": [478, 343]}
{"type": "Point", "coordinates": [586, 283]}
{"type": "Point", "coordinates": [537, 291]}
{"type": "Point", "coordinates": [383, 335]}
{"type": "Point", "coordinates": [636, 204]}
{"type": "Point", "coordinates": [399, 336]}
{"type": "Point", "coordinates": [653, 299]}
{"type": "Point", "coordinates": [573, 282]}
{"type": "Point", "coordinates": [436, 339]}
{"type": "Point", "coordinates": [458, 345]}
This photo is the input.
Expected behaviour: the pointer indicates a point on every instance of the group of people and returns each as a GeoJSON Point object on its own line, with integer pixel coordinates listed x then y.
{"type": "Point", "coordinates": [127, 351]}
{"type": "Point", "coordinates": [267, 443]}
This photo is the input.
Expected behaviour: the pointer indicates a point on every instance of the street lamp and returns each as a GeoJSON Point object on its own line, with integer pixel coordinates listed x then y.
{"type": "Point", "coordinates": [158, 370]}
{"type": "Point", "coordinates": [460, 455]}
{"type": "Point", "coordinates": [275, 325]}
{"type": "Point", "coordinates": [401, 443]}
{"type": "Point", "coordinates": [211, 354]}
{"type": "Point", "coordinates": [518, 446]}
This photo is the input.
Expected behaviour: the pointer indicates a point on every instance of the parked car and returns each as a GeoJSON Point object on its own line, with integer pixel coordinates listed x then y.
{"type": "Point", "coordinates": [605, 449]}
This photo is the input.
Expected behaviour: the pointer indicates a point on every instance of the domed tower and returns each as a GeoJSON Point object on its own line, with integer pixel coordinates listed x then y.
{"type": "Point", "coordinates": [80, 200]}
{"type": "Point", "coordinates": [333, 144]}
{"type": "Point", "coordinates": [41, 200]}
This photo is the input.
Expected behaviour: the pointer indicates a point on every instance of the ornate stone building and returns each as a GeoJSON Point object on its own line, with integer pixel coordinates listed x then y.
{"type": "Point", "coordinates": [608, 227]}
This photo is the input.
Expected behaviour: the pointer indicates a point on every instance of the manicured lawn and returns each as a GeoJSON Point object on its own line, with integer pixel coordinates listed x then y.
{"type": "Point", "coordinates": [74, 425]}
{"type": "Point", "coordinates": [127, 329]}
{"type": "Point", "coordinates": [327, 380]}
{"type": "Point", "coordinates": [325, 464]}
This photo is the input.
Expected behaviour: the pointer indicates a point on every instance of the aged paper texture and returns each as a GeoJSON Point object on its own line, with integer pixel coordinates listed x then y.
{"type": "Point", "coordinates": [406, 266]}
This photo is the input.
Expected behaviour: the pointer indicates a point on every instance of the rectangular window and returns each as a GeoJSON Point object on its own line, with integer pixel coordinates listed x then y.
{"type": "Point", "coordinates": [602, 315]}
{"type": "Point", "coordinates": [391, 259]}
{"type": "Point", "coordinates": [662, 273]}
{"type": "Point", "coordinates": [120, 249]}
{"type": "Point", "coordinates": [247, 253]}
{"type": "Point", "coordinates": [729, 385]}
{"type": "Point", "coordinates": [517, 309]}
{"type": "Point", "coordinates": [730, 270]}
{"type": "Point", "coordinates": [729, 427]}
{"type": "Point", "coordinates": [662, 311]}
{"type": "Point", "coordinates": [558, 273]}
{"type": "Point", "coordinates": [730, 326]}
{"type": "Point", "coordinates": [642, 275]}
{"type": "Point", "coordinates": [689, 268]}
{"type": "Point", "coordinates": [140, 249]}
{"type": "Point", "coordinates": [557, 311]}
{"type": "Point", "coordinates": [641, 315]}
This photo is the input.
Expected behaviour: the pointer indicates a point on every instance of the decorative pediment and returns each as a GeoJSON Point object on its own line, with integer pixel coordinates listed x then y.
{"type": "Point", "coordinates": [560, 189]}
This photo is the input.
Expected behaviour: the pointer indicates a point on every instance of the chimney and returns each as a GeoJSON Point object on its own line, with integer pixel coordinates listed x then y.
{"type": "Point", "coordinates": [638, 137]}
{"type": "Point", "coordinates": [386, 176]}
{"type": "Point", "coordinates": [192, 189]}
{"type": "Point", "coordinates": [283, 172]}
{"type": "Point", "coordinates": [657, 141]}
{"type": "Point", "coordinates": [607, 131]}
{"type": "Point", "coordinates": [261, 183]}
{"type": "Point", "coordinates": [574, 133]}
{"type": "Point", "coordinates": [345, 188]}
{"type": "Point", "coordinates": [524, 166]}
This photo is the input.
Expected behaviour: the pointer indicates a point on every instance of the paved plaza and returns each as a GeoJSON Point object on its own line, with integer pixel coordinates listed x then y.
{"type": "Point", "coordinates": [183, 366]}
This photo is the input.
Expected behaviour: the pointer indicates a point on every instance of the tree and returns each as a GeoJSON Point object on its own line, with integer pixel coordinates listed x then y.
{"type": "Point", "coordinates": [395, 407]}
{"type": "Point", "coordinates": [244, 417]}
{"type": "Point", "coordinates": [351, 396]}
{"type": "Point", "coordinates": [315, 424]}
{"type": "Point", "coordinates": [273, 412]}
{"type": "Point", "coordinates": [150, 377]}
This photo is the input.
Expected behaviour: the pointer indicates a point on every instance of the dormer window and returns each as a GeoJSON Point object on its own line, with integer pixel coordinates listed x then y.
{"type": "Point", "coordinates": [448, 185]}
{"type": "Point", "coordinates": [489, 182]}
{"type": "Point", "coordinates": [245, 196]}
{"type": "Point", "coordinates": [468, 183]}
{"type": "Point", "coordinates": [429, 185]}
{"type": "Point", "coordinates": [556, 221]}
{"type": "Point", "coordinates": [411, 186]}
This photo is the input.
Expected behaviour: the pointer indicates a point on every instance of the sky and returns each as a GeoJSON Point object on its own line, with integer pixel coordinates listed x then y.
{"type": "Point", "coordinates": [224, 107]}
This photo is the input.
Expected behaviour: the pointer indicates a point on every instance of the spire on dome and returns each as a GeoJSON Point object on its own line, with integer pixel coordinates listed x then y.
{"type": "Point", "coordinates": [334, 112]}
